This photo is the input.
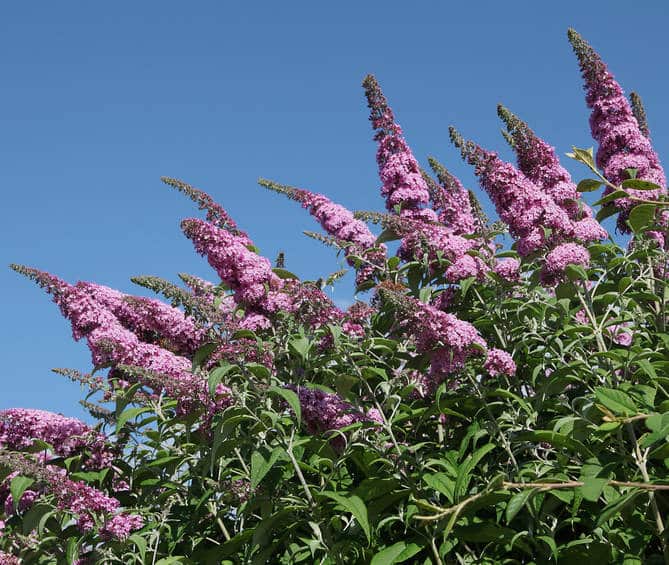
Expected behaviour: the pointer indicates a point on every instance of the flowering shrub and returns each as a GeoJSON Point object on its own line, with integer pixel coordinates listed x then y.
{"type": "Point", "coordinates": [480, 405]}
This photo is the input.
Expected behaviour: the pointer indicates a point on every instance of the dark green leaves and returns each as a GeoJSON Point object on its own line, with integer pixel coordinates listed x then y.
{"type": "Point", "coordinates": [588, 185]}
{"type": "Point", "coordinates": [355, 506]}
{"type": "Point", "coordinates": [17, 487]}
{"type": "Point", "coordinates": [641, 217]}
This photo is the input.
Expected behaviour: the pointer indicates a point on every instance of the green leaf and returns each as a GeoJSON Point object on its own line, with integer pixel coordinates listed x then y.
{"type": "Point", "coordinates": [592, 488]}
{"type": "Point", "coordinates": [202, 354]}
{"type": "Point", "coordinates": [615, 195]}
{"type": "Point", "coordinates": [216, 376]}
{"type": "Point", "coordinates": [284, 274]}
{"type": "Point", "coordinates": [260, 371]}
{"type": "Point", "coordinates": [588, 185]}
{"type": "Point", "coordinates": [396, 553]}
{"type": "Point", "coordinates": [638, 184]}
{"type": "Point", "coordinates": [290, 397]}
{"type": "Point", "coordinates": [17, 487]}
{"type": "Point", "coordinates": [584, 156]}
{"type": "Point", "coordinates": [261, 466]}
{"type": "Point", "coordinates": [517, 502]}
{"type": "Point", "coordinates": [616, 400]}
{"type": "Point", "coordinates": [441, 483]}
{"type": "Point", "coordinates": [140, 543]}
{"type": "Point", "coordinates": [576, 272]}
{"type": "Point", "coordinates": [34, 515]}
{"type": "Point", "coordinates": [641, 217]}
{"type": "Point", "coordinates": [129, 414]}
{"type": "Point", "coordinates": [556, 440]}
{"type": "Point", "coordinates": [605, 212]}
{"type": "Point", "coordinates": [355, 506]}
{"type": "Point", "coordinates": [300, 345]}
{"type": "Point", "coordinates": [72, 551]}
{"type": "Point", "coordinates": [386, 235]}
{"type": "Point", "coordinates": [617, 506]}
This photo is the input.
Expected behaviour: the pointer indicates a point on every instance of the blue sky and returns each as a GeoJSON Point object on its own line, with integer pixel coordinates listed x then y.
{"type": "Point", "coordinates": [98, 100]}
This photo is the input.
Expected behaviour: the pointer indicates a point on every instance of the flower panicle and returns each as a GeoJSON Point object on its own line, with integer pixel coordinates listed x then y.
{"type": "Point", "coordinates": [291, 192]}
{"type": "Point", "coordinates": [328, 240]}
{"type": "Point", "coordinates": [97, 411]}
{"type": "Point", "coordinates": [51, 283]}
{"type": "Point", "coordinates": [87, 379]}
{"type": "Point", "coordinates": [640, 113]}
{"type": "Point", "coordinates": [451, 201]}
{"type": "Point", "coordinates": [216, 214]}
{"type": "Point", "coordinates": [381, 115]}
{"type": "Point", "coordinates": [621, 135]}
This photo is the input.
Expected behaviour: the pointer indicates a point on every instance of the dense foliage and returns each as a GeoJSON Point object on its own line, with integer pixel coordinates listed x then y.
{"type": "Point", "coordinates": [484, 405]}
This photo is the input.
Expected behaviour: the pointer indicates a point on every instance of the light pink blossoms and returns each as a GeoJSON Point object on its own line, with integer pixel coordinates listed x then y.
{"type": "Point", "coordinates": [508, 269]}
{"type": "Point", "coordinates": [249, 275]}
{"type": "Point", "coordinates": [20, 427]}
{"type": "Point", "coordinates": [340, 223]}
{"type": "Point", "coordinates": [622, 143]}
{"type": "Point", "coordinates": [112, 344]}
{"type": "Point", "coordinates": [539, 163]}
{"type": "Point", "coordinates": [150, 319]}
{"type": "Point", "coordinates": [499, 362]}
{"type": "Point", "coordinates": [533, 217]}
{"type": "Point", "coordinates": [403, 184]}
{"type": "Point", "coordinates": [558, 259]}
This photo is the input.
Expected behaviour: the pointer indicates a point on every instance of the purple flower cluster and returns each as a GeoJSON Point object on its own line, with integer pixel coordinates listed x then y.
{"type": "Point", "coordinates": [249, 275]}
{"type": "Point", "coordinates": [121, 526]}
{"type": "Point", "coordinates": [622, 143]}
{"type": "Point", "coordinates": [6, 558]}
{"type": "Point", "coordinates": [323, 411]}
{"type": "Point", "coordinates": [499, 362]}
{"type": "Point", "coordinates": [539, 163]}
{"type": "Point", "coordinates": [403, 183]}
{"type": "Point", "coordinates": [150, 319]}
{"type": "Point", "coordinates": [558, 259]}
{"type": "Point", "coordinates": [112, 344]}
{"type": "Point", "coordinates": [451, 201]}
{"type": "Point", "coordinates": [535, 220]}
{"type": "Point", "coordinates": [81, 500]}
{"type": "Point", "coordinates": [20, 427]}
{"type": "Point", "coordinates": [449, 341]}
{"type": "Point", "coordinates": [508, 269]}
{"type": "Point", "coordinates": [340, 223]}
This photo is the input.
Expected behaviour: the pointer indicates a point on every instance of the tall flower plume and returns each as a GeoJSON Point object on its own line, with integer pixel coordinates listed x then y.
{"type": "Point", "coordinates": [20, 427]}
{"type": "Point", "coordinates": [403, 184]}
{"type": "Point", "coordinates": [622, 143]}
{"type": "Point", "coordinates": [451, 201]}
{"type": "Point", "coordinates": [248, 275]}
{"type": "Point", "coordinates": [251, 278]}
{"type": "Point", "coordinates": [539, 163]}
{"type": "Point", "coordinates": [112, 344]}
{"type": "Point", "coordinates": [528, 211]}
{"type": "Point", "coordinates": [340, 223]}
{"type": "Point", "coordinates": [150, 319]}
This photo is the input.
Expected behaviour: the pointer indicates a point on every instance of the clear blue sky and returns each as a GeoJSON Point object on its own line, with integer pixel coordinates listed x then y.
{"type": "Point", "coordinates": [98, 100]}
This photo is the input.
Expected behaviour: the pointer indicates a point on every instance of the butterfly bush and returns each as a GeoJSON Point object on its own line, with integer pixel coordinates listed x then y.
{"type": "Point", "coordinates": [340, 223]}
{"type": "Point", "coordinates": [469, 403]}
{"type": "Point", "coordinates": [147, 317]}
{"type": "Point", "coordinates": [539, 163]}
{"type": "Point", "coordinates": [77, 498]}
{"type": "Point", "coordinates": [20, 427]}
{"type": "Point", "coordinates": [404, 186]}
{"type": "Point", "coordinates": [622, 144]}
